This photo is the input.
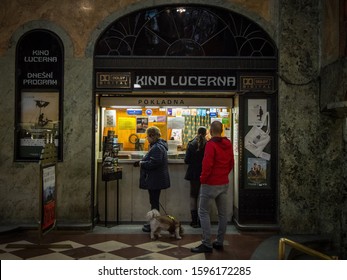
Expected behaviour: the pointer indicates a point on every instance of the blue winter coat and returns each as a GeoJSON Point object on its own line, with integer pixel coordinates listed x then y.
{"type": "Point", "coordinates": [154, 172]}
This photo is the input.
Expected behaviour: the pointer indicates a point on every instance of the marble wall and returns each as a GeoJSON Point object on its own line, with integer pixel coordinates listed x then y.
{"type": "Point", "coordinates": [299, 133]}
{"type": "Point", "coordinates": [312, 154]}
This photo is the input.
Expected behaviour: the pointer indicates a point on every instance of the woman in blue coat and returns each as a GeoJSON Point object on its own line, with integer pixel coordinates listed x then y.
{"type": "Point", "coordinates": [154, 171]}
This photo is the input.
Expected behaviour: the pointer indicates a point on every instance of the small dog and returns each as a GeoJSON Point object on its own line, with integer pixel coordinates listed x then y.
{"type": "Point", "coordinates": [167, 222]}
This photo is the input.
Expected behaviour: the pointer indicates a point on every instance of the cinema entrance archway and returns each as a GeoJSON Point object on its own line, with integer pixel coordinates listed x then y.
{"type": "Point", "coordinates": [204, 51]}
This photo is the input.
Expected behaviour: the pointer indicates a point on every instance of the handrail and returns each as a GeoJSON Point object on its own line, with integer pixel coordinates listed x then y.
{"type": "Point", "coordinates": [302, 248]}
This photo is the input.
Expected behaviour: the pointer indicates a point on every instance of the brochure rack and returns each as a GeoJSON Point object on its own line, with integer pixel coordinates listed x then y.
{"type": "Point", "coordinates": [111, 171]}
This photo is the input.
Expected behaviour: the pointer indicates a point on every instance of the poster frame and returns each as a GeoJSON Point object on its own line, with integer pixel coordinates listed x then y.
{"type": "Point", "coordinates": [47, 206]}
{"type": "Point", "coordinates": [39, 69]}
{"type": "Point", "coordinates": [257, 201]}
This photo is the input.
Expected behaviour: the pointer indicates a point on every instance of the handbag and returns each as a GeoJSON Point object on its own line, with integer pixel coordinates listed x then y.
{"type": "Point", "coordinates": [257, 139]}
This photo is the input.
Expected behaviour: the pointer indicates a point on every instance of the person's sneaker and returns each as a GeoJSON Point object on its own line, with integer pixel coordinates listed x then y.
{"type": "Point", "coordinates": [146, 228]}
{"type": "Point", "coordinates": [201, 249]}
{"type": "Point", "coordinates": [217, 246]}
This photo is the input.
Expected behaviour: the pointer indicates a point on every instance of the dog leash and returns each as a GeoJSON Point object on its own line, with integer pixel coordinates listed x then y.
{"type": "Point", "coordinates": [163, 209]}
{"type": "Point", "coordinates": [171, 217]}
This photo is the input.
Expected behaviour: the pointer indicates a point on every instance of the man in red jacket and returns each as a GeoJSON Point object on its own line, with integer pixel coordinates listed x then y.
{"type": "Point", "coordinates": [217, 164]}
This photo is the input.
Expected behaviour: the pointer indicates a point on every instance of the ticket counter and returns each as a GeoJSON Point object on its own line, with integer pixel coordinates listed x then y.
{"type": "Point", "coordinates": [178, 120]}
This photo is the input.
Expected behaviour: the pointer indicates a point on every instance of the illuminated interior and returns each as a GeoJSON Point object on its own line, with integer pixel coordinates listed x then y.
{"type": "Point", "coordinates": [178, 125]}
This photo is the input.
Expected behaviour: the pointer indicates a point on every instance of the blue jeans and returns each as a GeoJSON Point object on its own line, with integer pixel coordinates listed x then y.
{"type": "Point", "coordinates": [219, 195]}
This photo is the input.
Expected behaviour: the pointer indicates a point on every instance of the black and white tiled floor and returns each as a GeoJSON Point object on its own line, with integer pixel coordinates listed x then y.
{"type": "Point", "coordinates": [123, 242]}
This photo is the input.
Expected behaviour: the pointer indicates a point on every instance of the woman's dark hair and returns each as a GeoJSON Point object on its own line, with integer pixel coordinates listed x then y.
{"type": "Point", "coordinates": [201, 138]}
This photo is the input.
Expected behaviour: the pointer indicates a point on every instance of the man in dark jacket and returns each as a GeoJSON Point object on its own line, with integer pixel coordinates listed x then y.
{"type": "Point", "coordinates": [217, 163]}
{"type": "Point", "coordinates": [154, 171]}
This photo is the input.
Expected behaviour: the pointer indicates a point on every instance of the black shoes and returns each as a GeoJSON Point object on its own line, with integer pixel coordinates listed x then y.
{"type": "Point", "coordinates": [201, 249]}
{"type": "Point", "coordinates": [218, 246]}
{"type": "Point", "coordinates": [146, 228]}
{"type": "Point", "coordinates": [195, 225]}
{"type": "Point", "coordinates": [204, 249]}
{"type": "Point", "coordinates": [195, 219]}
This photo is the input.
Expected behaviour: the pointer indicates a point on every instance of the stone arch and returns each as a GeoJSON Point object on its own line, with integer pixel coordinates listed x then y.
{"type": "Point", "coordinates": [47, 25]}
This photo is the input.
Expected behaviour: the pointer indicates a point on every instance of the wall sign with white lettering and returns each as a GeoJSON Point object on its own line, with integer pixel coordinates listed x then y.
{"type": "Point", "coordinates": [172, 80]}
{"type": "Point", "coordinates": [39, 61]}
{"type": "Point", "coordinates": [39, 93]}
{"type": "Point", "coordinates": [188, 80]}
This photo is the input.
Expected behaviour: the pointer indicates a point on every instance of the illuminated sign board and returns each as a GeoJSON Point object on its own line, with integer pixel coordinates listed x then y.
{"type": "Point", "coordinates": [113, 80]}
{"type": "Point", "coordinates": [204, 80]}
{"type": "Point", "coordinates": [256, 83]}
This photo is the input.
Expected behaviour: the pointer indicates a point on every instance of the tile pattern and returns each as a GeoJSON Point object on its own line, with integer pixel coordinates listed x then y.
{"type": "Point", "coordinates": [110, 245]}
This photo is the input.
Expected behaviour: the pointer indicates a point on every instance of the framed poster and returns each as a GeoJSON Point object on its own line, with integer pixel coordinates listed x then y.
{"type": "Point", "coordinates": [257, 160]}
{"type": "Point", "coordinates": [39, 94]}
{"type": "Point", "coordinates": [48, 197]}
{"type": "Point", "coordinates": [257, 143]}
{"type": "Point", "coordinates": [39, 122]}
{"type": "Point", "coordinates": [39, 109]}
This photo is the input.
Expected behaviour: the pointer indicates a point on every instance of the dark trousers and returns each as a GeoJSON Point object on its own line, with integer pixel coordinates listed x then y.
{"type": "Point", "coordinates": [194, 194]}
{"type": "Point", "coordinates": [154, 196]}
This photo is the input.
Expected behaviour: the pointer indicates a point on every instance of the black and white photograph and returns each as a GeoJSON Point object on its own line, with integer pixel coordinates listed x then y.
{"type": "Point", "coordinates": [256, 111]}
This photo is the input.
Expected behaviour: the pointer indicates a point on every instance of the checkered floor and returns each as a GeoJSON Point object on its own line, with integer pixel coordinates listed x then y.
{"type": "Point", "coordinates": [122, 242]}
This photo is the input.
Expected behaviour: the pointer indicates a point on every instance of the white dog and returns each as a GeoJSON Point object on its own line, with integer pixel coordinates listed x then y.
{"type": "Point", "coordinates": [167, 222]}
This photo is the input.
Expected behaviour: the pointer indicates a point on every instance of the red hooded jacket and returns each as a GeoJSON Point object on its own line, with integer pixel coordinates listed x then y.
{"type": "Point", "coordinates": [218, 161]}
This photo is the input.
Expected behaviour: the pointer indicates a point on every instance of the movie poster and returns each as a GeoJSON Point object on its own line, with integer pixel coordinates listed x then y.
{"type": "Point", "coordinates": [39, 121]}
{"type": "Point", "coordinates": [257, 173]}
{"type": "Point", "coordinates": [48, 197]}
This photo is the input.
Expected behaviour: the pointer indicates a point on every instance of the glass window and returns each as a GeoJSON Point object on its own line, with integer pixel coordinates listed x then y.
{"type": "Point", "coordinates": [185, 31]}
{"type": "Point", "coordinates": [178, 125]}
